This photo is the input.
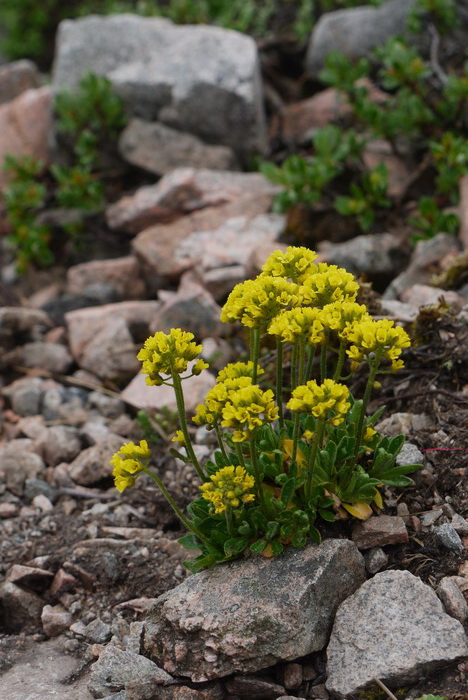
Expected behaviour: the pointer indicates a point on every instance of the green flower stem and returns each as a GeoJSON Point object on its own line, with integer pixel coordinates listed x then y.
{"type": "Point", "coordinates": [297, 424]}
{"type": "Point", "coordinates": [254, 351]}
{"type": "Point", "coordinates": [318, 437]}
{"type": "Point", "coordinates": [365, 401]}
{"type": "Point", "coordinates": [189, 525]}
{"type": "Point", "coordinates": [323, 362]}
{"type": "Point", "coordinates": [256, 472]}
{"type": "Point", "coordinates": [301, 363]}
{"type": "Point", "coordinates": [222, 446]}
{"type": "Point", "coordinates": [279, 381]}
{"type": "Point", "coordinates": [310, 363]}
{"type": "Point", "coordinates": [340, 362]}
{"type": "Point", "coordinates": [230, 521]}
{"type": "Point", "coordinates": [294, 367]}
{"type": "Point", "coordinates": [179, 394]}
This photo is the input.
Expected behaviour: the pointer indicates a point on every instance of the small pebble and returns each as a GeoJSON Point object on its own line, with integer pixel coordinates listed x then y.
{"type": "Point", "coordinates": [448, 538]}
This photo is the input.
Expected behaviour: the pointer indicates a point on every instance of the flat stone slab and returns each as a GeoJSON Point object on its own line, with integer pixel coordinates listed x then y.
{"type": "Point", "coordinates": [249, 614]}
{"type": "Point", "coordinates": [393, 628]}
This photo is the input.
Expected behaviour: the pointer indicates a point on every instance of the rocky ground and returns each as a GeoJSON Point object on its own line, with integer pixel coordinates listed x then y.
{"type": "Point", "coordinates": [81, 564]}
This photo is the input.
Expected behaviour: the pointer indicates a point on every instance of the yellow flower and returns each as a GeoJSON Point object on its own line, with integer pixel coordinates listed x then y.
{"type": "Point", "coordinates": [247, 409]}
{"type": "Point", "coordinates": [369, 434]}
{"type": "Point", "coordinates": [179, 437]}
{"type": "Point", "coordinates": [340, 315]}
{"type": "Point", "coordinates": [234, 370]}
{"type": "Point", "coordinates": [228, 488]}
{"type": "Point", "coordinates": [211, 411]}
{"type": "Point", "coordinates": [330, 283]}
{"type": "Point", "coordinates": [294, 264]}
{"type": "Point", "coordinates": [368, 337]}
{"type": "Point", "coordinates": [167, 353]}
{"type": "Point", "coordinates": [300, 323]}
{"type": "Point", "coordinates": [325, 401]}
{"type": "Point", "coordinates": [255, 302]}
{"type": "Point", "coordinates": [130, 461]}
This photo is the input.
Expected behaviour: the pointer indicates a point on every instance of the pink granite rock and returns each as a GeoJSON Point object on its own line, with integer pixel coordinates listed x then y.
{"type": "Point", "coordinates": [123, 273]}
{"type": "Point", "coordinates": [379, 531]}
{"type": "Point", "coordinates": [16, 78]}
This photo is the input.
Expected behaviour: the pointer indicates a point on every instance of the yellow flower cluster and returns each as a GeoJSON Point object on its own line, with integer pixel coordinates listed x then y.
{"type": "Point", "coordinates": [167, 353]}
{"type": "Point", "coordinates": [326, 401]}
{"type": "Point", "coordinates": [301, 323]}
{"type": "Point", "coordinates": [234, 370]}
{"type": "Point", "coordinates": [340, 315]}
{"type": "Point", "coordinates": [217, 397]}
{"type": "Point", "coordinates": [247, 409]}
{"type": "Point", "coordinates": [368, 337]}
{"type": "Point", "coordinates": [330, 283]}
{"type": "Point", "coordinates": [228, 488]}
{"type": "Point", "coordinates": [294, 264]}
{"type": "Point", "coordinates": [255, 302]}
{"type": "Point", "coordinates": [128, 463]}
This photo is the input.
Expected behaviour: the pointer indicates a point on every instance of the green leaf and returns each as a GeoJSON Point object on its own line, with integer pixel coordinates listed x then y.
{"type": "Point", "coordinates": [258, 546]}
{"type": "Point", "coordinates": [287, 492]}
{"type": "Point", "coordinates": [276, 547]}
{"type": "Point", "coordinates": [235, 546]}
{"type": "Point", "coordinates": [189, 541]}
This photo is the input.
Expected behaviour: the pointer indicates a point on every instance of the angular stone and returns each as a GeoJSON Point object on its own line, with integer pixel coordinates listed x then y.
{"type": "Point", "coordinates": [24, 126]}
{"type": "Point", "coordinates": [62, 582]}
{"type": "Point", "coordinates": [16, 78]}
{"type": "Point", "coordinates": [140, 395]}
{"type": "Point", "coordinates": [18, 465]}
{"type": "Point", "coordinates": [97, 631]}
{"type": "Point", "coordinates": [84, 324]}
{"type": "Point", "coordinates": [246, 615]}
{"type": "Point", "coordinates": [184, 191]}
{"type": "Point", "coordinates": [410, 454]}
{"type": "Point", "coordinates": [254, 687]}
{"type": "Point", "coordinates": [423, 295]}
{"type": "Point", "coordinates": [221, 281]}
{"type": "Point", "coordinates": [393, 628]}
{"type": "Point", "coordinates": [25, 395]}
{"type": "Point", "coordinates": [55, 620]}
{"type": "Point", "coordinates": [448, 537]}
{"type": "Point", "coordinates": [116, 668]}
{"type": "Point", "coordinates": [18, 319]}
{"type": "Point", "coordinates": [97, 294]}
{"type": "Point", "coordinates": [300, 120]}
{"type": "Point", "coordinates": [375, 559]}
{"type": "Point", "coordinates": [51, 357]}
{"type": "Point", "coordinates": [122, 273]}
{"type": "Point", "coordinates": [198, 79]}
{"type": "Point", "coordinates": [404, 423]}
{"type": "Point", "coordinates": [29, 577]}
{"type": "Point", "coordinates": [62, 444]}
{"type": "Point", "coordinates": [160, 149]}
{"type": "Point", "coordinates": [459, 524]}
{"type": "Point", "coordinates": [8, 510]}
{"type": "Point", "coordinates": [379, 152]}
{"type": "Point", "coordinates": [21, 610]}
{"type": "Point", "coordinates": [111, 354]}
{"type": "Point", "coordinates": [379, 531]}
{"type": "Point", "coordinates": [93, 464]}
{"type": "Point", "coordinates": [452, 598]}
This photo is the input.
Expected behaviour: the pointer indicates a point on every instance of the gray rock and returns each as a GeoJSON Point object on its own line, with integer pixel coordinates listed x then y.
{"type": "Point", "coordinates": [393, 628]}
{"type": "Point", "coordinates": [55, 620]}
{"type": "Point", "coordinates": [111, 354]}
{"type": "Point", "coordinates": [62, 444]}
{"type": "Point", "coordinates": [93, 295]}
{"type": "Point", "coordinates": [254, 687]}
{"type": "Point", "coordinates": [39, 487]}
{"type": "Point", "coordinates": [25, 395]}
{"type": "Point", "coordinates": [18, 465]}
{"type": "Point", "coordinates": [108, 406]}
{"type": "Point", "coordinates": [380, 257]}
{"type": "Point", "coordinates": [452, 598]}
{"type": "Point", "coordinates": [116, 668]}
{"type": "Point", "coordinates": [52, 357]}
{"type": "Point", "coordinates": [459, 524]}
{"type": "Point", "coordinates": [98, 631]}
{"type": "Point", "coordinates": [375, 559]}
{"type": "Point", "coordinates": [246, 615]}
{"type": "Point", "coordinates": [160, 149]}
{"type": "Point", "coordinates": [93, 464]}
{"type": "Point", "coordinates": [202, 80]}
{"type": "Point", "coordinates": [17, 77]}
{"type": "Point", "coordinates": [21, 610]}
{"type": "Point", "coordinates": [448, 537]}
{"type": "Point", "coordinates": [410, 454]}
{"type": "Point", "coordinates": [379, 531]}
{"type": "Point", "coordinates": [123, 274]}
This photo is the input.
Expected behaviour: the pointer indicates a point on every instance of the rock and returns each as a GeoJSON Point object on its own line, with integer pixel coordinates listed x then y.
{"type": "Point", "coordinates": [55, 620]}
{"type": "Point", "coordinates": [8, 510]}
{"type": "Point", "coordinates": [423, 295]}
{"type": "Point", "coordinates": [410, 454]}
{"type": "Point", "coordinates": [19, 319]}
{"type": "Point", "coordinates": [220, 281]}
{"type": "Point", "coordinates": [184, 191]}
{"type": "Point", "coordinates": [245, 616]}
{"type": "Point", "coordinates": [62, 582]}
{"type": "Point", "coordinates": [84, 324]}
{"type": "Point", "coordinates": [25, 395]}
{"type": "Point", "coordinates": [403, 512]}
{"type": "Point", "coordinates": [160, 149]}
{"type": "Point", "coordinates": [97, 294]}
{"type": "Point", "coordinates": [16, 78]}
{"type": "Point", "coordinates": [93, 464]}
{"type": "Point", "coordinates": [97, 631]}
{"type": "Point", "coordinates": [375, 559]}
{"type": "Point", "coordinates": [292, 676]}
{"type": "Point", "coordinates": [447, 536]}
{"type": "Point", "coordinates": [111, 354]}
{"type": "Point", "coordinates": [379, 151]}
{"type": "Point", "coordinates": [19, 464]}
{"type": "Point", "coordinates": [199, 79]}
{"type": "Point", "coordinates": [123, 274]}
{"type": "Point", "coordinates": [51, 357]}
{"type": "Point", "coordinates": [404, 423]}
{"type": "Point", "coordinates": [42, 503]}
{"type": "Point", "coordinates": [459, 524]}
{"type": "Point", "coordinates": [430, 517]}
{"type": "Point", "coordinates": [108, 406]}
{"type": "Point", "coordinates": [379, 531]}
{"type": "Point", "coordinates": [254, 687]}
{"type": "Point", "coordinates": [398, 310]}
{"type": "Point", "coordinates": [299, 121]}
{"type": "Point", "coordinates": [21, 610]}
{"type": "Point", "coordinates": [62, 444]}
{"type": "Point", "coordinates": [116, 668]}
{"type": "Point", "coordinates": [452, 598]}
{"type": "Point", "coordinates": [379, 257]}
{"type": "Point", "coordinates": [393, 628]}
{"type": "Point", "coordinates": [29, 577]}
{"type": "Point", "coordinates": [39, 487]}
{"type": "Point", "coordinates": [425, 261]}
{"type": "Point", "coordinates": [140, 395]}
{"type": "Point", "coordinates": [24, 126]}
{"type": "Point", "coordinates": [192, 308]}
